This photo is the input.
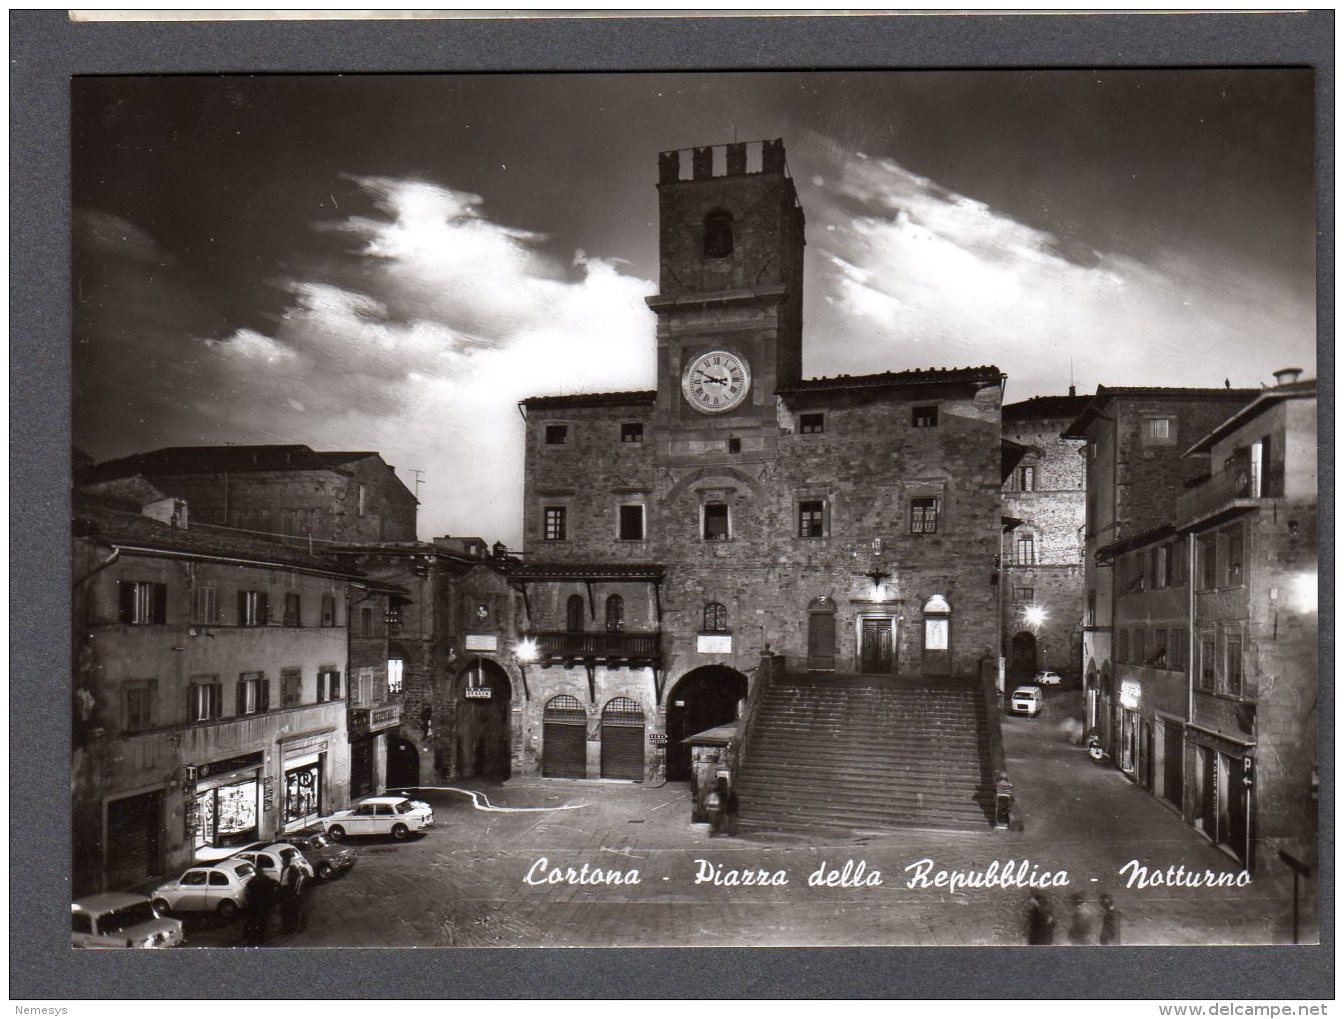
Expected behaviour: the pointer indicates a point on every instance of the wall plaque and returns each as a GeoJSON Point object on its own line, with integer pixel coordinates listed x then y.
{"type": "Point", "coordinates": [481, 642]}
{"type": "Point", "coordinates": [714, 643]}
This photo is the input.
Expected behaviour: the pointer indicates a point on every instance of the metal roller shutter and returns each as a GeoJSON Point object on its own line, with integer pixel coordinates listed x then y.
{"type": "Point", "coordinates": [133, 835]}
{"type": "Point", "coordinates": [623, 740]}
{"type": "Point", "coordinates": [564, 739]}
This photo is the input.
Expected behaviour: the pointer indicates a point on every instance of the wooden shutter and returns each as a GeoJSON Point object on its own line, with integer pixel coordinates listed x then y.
{"type": "Point", "coordinates": [158, 612]}
{"type": "Point", "coordinates": [126, 596]}
{"type": "Point", "coordinates": [240, 707]}
{"type": "Point", "coordinates": [263, 608]}
{"type": "Point", "coordinates": [242, 608]}
{"type": "Point", "coordinates": [264, 701]}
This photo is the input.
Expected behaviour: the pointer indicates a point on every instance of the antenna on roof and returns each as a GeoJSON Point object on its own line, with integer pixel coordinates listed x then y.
{"type": "Point", "coordinates": [418, 482]}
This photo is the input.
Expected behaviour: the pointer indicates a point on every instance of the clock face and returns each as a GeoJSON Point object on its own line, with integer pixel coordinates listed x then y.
{"type": "Point", "coordinates": [716, 381]}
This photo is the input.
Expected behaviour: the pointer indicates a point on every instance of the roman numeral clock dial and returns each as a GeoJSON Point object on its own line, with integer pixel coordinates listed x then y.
{"type": "Point", "coordinates": [716, 381]}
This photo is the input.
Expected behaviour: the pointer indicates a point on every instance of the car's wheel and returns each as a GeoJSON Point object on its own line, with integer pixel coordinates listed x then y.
{"type": "Point", "coordinates": [325, 871]}
{"type": "Point", "coordinates": [228, 909]}
{"type": "Point", "coordinates": [161, 907]}
{"type": "Point", "coordinates": [400, 831]}
{"type": "Point", "coordinates": [336, 832]}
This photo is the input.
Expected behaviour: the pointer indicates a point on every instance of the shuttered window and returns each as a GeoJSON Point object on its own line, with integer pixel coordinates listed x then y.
{"type": "Point", "coordinates": [143, 603]}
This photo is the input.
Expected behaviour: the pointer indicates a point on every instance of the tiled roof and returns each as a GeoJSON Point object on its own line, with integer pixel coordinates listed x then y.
{"type": "Point", "coordinates": [621, 399]}
{"type": "Point", "coordinates": [1291, 391]}
{"type": "Point", "coordinates": [1077, 430]}
{"type": "Point", "coordinates": [913, 377]}
{"type": "Point", "coordinates": [217, 459]}
{"type": "Point", "coordinates": [95, 519]}
{"type": "Point", "coordinates": [1046, 407]}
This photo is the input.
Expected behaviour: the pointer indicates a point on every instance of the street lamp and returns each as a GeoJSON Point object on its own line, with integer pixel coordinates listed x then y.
{"type": "Point", "coordinates": [1034, 615]}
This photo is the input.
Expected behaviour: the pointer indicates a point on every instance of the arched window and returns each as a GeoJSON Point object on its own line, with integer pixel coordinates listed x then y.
{"type": "Point", "coordinates": [615, 613]}
{"type": "Point", "coordinates": [719, 234]}
{"type": "Point", "coordinates": [716, 618]}
{"type": "Point", "coordinates": [937, 621]}
{"type": "Point", "coordinates": [574, 613]}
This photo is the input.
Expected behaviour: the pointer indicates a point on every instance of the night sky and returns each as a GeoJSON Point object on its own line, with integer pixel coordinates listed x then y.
{"type": "Point", "coordinates": [392, 262]}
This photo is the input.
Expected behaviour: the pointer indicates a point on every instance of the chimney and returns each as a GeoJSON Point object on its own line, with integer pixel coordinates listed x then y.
{"type": "Point", "coordinates": [1286, 376]}
{"type": "Point", "coordinates": [1073, 390]}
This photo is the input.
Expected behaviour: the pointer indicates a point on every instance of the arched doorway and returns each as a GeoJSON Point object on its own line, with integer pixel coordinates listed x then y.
{"type": "Point", "coordinates": [623, 740]}
{"type": "Point", "coordinates": [483, 694]}
{"type": "Point", "coordinates": [821, 635]}
{"type": "Point", "coordinates": [1023, 655]}
{"type": "Point", "coordinates": [702, 699]}
{"type": "Point", "coordinates": [564, 738]}
{"type": "Point", "coordinates": [403, 763]}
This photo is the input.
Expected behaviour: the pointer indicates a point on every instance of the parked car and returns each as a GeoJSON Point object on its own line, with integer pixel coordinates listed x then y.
{"type": "Point", "coordinates": [121, 920]}
{"type": "Point", "coordinates": [1026, 700]}
{"type": "Point", "coordinates": [217, 888]}
{"type": "Point", "coordinates": [380, 815]}
{"type": "Point", "coordinates": [1047, 678]}
{"type": "Point", "coordinates": [325, 857]}
{"type": "Point", "coordinates": [272, 858]}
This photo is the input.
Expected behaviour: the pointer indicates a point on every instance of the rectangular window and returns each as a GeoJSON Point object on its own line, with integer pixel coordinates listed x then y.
{"type": "Point", "coordinates": [632, 431]}
{"type": "Point", "coordinates": [366, 622]}
{"type": "Point", "coordinates": [557, 435]}
{"type": "Point", "coordinates": [359, 495]}
{"type": "Point", "coordinates": [734, 445]}
{"type": "Point", "coordinates": [1091, 608]}
{"type": "Point", "coordinates": [554, 520]}
{"type": "Point", "coordinates": [1177, 563]}
{"type": "Point", "coordinates": [292, 616]}
{"type": "Point", "coordinates": [291, 687]}
{"type": "Point", "coordinates": [1026, 479]}
{"type": "Point", "coordinates": [1157, 565]}
{"type": "Point", "coordinates": [811, 424]}
{"type": "Point", "coordinates": [924, 417]}
{"type": "Point", "coordinates": [1025, 594]}
{"type": "Point", "coordinates": [329, 685]}
{"type": "Point", "coordinates": [205, 699]}
{"type": "Point", "coordinates": [1157, 657]}
{"type": "Point", "coordinates": [924, 515]}
{"type": "Point", "coordinates": [1158, 430]}
{"type": "Point", "coordinates": [363, 693]}
{"type": "Point", "coordinates": [1122, 645]}
{"type": "Point", "coordinates": [1235, 552]}
{"type": "Point", "coordinates": [632, 523]}
{"type": "Point", "coordinates": [328, 610]}
{"type": "Point", "coordinates": [137, 699]}
{"type": "Point", "coordinates": [1026, 550]}
{"type": "Point", "coordinates": [252, 608]}
{"type": "Point", "coordinates": [1208, 563]}
{"type": "Point", "coordinates": [1208, 657]}
{"type": "Point", "coordinates": [394, 667]}
{"type": "Point", "coordinates": [143, 603]}
{"type": "Point", "coordinates": [1232, 676]}
{"type": "Point", "coordinates": [204, 606]}
{"type": "Point", "coordinates": [1140, 642]}
{"type": "Point", "coordinates": [1176, 647]}
{"type": "Point", "coordinates": [248, 694]}
{"type": "Point", "coordinates": [716, 521]}
{"type": "Point", "coordinates": [811, 518]}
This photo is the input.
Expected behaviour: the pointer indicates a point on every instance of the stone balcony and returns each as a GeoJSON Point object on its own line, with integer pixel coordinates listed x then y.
{"type": "Point", "coordinates": [373, 718]}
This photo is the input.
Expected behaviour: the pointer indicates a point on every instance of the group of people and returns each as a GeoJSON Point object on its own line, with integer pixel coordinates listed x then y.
{"type": "Point", "coordinates": [264, 894]}
{"type": "Point", "coordinates": [1090, 923]}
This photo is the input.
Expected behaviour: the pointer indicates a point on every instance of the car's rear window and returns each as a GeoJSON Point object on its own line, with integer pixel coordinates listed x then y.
{"type": "Point", "coordinates": [404, 807]}
{"type": "Point", "coordinates": [245, 870]}
{"type": "Point", "coordinates": [126, 916]}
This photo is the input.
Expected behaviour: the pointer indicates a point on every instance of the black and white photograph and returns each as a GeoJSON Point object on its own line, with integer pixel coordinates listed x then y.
{"type": "Point", "coordinates": [694, 509]}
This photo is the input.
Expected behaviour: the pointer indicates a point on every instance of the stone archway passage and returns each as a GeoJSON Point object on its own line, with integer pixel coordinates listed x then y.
{"type": "Point", "coordinates": [481, 743]}
{"type": "Point", "coordinates": [702, 699]}
{"type": "Point", "coordinates": [403, 763]}
{"type": "Point", "coordinates": [1023, 662]}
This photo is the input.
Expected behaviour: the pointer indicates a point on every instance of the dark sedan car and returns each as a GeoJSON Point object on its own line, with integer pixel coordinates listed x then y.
{"type": "Point", "coordinates": [326, 857]}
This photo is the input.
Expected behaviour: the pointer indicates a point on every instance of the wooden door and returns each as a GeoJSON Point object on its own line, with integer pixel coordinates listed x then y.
{"type": "Point", "coordinates": [875, 646]}
{"type": "Point", "coordinates": [821, 641]}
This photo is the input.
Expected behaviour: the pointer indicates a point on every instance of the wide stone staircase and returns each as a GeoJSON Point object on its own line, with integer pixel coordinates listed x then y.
{"type": "Point", "coordinates": [836, 752]}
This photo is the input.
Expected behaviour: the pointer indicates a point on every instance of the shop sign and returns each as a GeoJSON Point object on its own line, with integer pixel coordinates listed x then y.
{"type": "Point", "coordinates": [477, 693]}
{"type": "Point", "coordinates": [714, 644]}
{"type": "Point", "coordinates": [252, 760]}
{"type": "Point", "coordinates": [658, 739]}
{"type": "Point", "coordinates": [481, 642]}
{"type": "Point", "coordinates": [267, 794]}
{"type": "Point", "coordinates": [1129, 694]}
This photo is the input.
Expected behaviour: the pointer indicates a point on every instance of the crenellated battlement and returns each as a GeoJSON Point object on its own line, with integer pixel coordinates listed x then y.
{"type": "Point", "coordinates": [731, 159]}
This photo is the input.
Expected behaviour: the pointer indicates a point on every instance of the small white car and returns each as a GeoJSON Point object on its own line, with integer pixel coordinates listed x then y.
{"type": "Point", "coordinates": [218, 888]}
{"type": "Point", "coordinates": [1026, 700]}
{"type": "Point", "coordinates": [1047, 678]}
{"type": "Point", "coordinates": [272, 859]}
{"type": "Point", "coordinates": [121, 920]}
{"type": "Point", "coordinates": [380, 815]}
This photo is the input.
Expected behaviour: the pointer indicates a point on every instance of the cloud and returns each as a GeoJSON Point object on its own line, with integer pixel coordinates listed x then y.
{"type": "Point", "coordinates": [916, 274]}
{"type": "Point", "coordinates": [418, 341]}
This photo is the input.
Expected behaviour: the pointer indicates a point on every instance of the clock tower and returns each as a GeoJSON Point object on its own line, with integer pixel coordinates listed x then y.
{"type": "Point", "coordinates": [729, 300]}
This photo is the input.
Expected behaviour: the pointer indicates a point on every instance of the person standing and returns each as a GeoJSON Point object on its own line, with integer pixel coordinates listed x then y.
{"type": "Point", "coordinates": [258, 900]}
{"type": "Point", "coordinates": [293, 893]}
{"type": "Point", "coordinates": [1110, 921]}
{"type": "Point", "coordinates": [1040, 921]}
{"type": "Point", "coordinates": [1084, 921]}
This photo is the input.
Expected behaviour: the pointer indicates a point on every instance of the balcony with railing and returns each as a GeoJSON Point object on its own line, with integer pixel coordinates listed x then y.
{"type": "Point", "coordinates": [560, 646]}
{"type": "Point", "coordinates": [1238, 486]}
{"type": "Point", "coordinates": [367, 719]}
